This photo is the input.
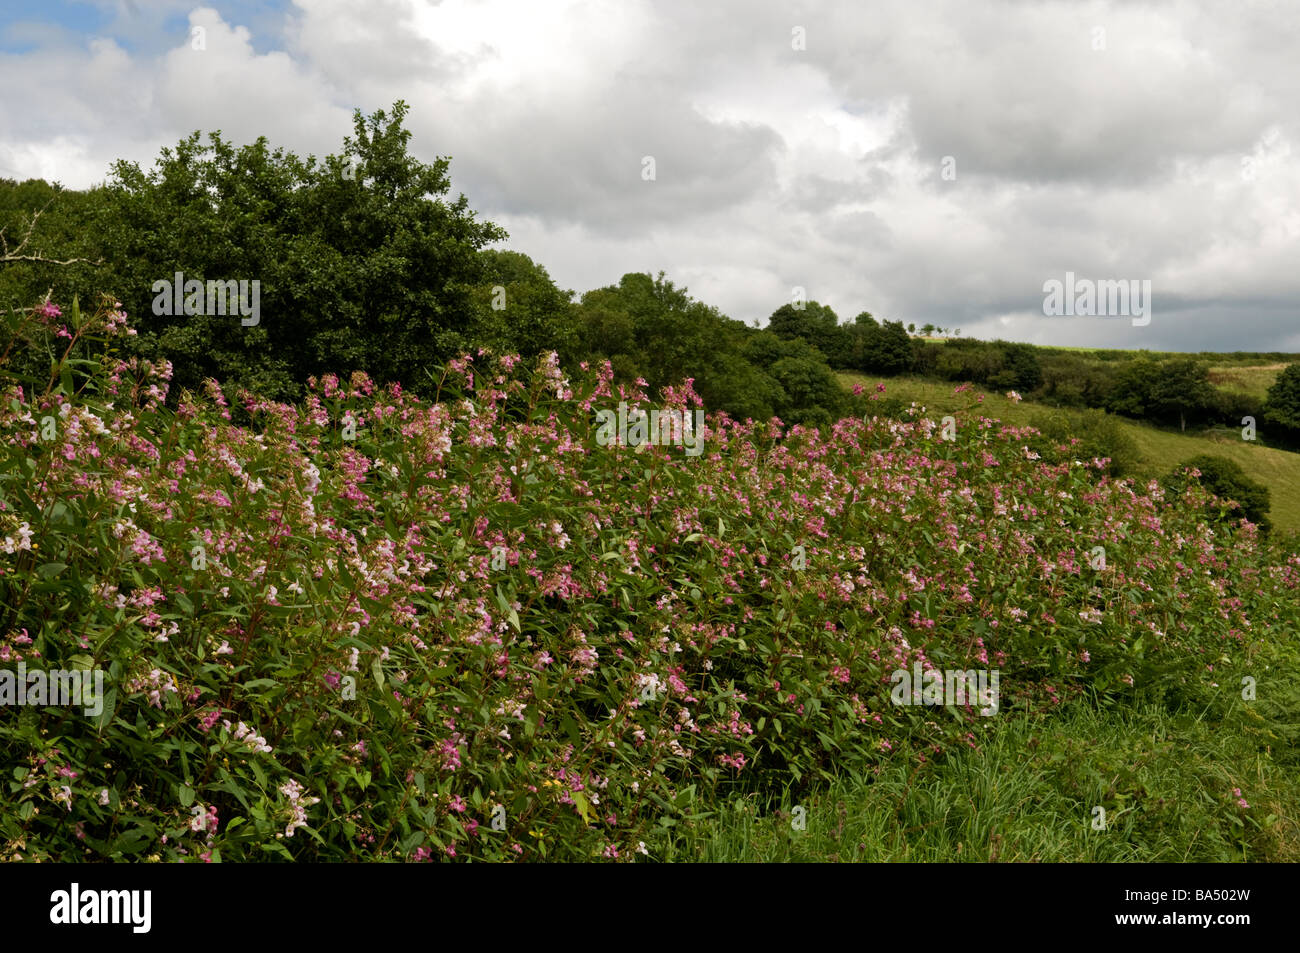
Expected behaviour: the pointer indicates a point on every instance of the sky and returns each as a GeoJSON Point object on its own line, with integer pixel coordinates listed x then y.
{"type": "Point", "coordinates": [929, 161]}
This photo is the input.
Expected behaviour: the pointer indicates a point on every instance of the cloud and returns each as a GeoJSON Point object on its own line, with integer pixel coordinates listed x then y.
{"type": "Point", "coordinates": [1151, 140]}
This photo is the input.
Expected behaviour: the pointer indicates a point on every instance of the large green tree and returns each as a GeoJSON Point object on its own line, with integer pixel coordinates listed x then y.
{"type": "Point", "coordinates": [816, 323]}
{"type": "Point", "coordinates": [1282, 406]}
{"type": "Point", "coordinates": [1166, 391]}
{"type": "Point", "coordinates": [361, 264]}
{"type": "Point", "coordinates": [45, 246]}
{"type": "Point", "coordinates": [518, 308]}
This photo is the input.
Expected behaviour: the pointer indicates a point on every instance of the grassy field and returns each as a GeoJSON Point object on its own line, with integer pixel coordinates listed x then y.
{"type": "Point", "coordinates": [1161, 450]}
{"type": "Point", "coordinates": [1245, 373]}
{"type": "Point", "coordinates": [1254, 380]}
{"type": "Point", "coordinates": [1030, 791]}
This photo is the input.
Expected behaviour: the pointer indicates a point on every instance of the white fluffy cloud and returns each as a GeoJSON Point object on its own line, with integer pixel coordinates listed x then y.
{"type": "Point", "coordinates": [1115, 140]}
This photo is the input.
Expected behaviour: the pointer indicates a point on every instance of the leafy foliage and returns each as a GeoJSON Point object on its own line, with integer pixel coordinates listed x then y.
{"type": "Point", "coordinates": [1228, 482]}
{"type": "Point", "coordinates": [1283, 404]}
{"type": "Point", "coordinates": [360, 265]}
{"type": "Point", "coordinates": [470, 613]}
{"type": "Point", "coordinates": [1087, 435]}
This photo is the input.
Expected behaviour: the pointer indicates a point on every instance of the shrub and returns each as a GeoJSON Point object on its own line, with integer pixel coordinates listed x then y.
{"type": "Point", "coordinates": [1228, 482]}
{"type": "Point", "coordinates": [1087, 435]}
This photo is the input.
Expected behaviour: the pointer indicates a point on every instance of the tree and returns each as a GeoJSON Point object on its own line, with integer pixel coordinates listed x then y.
{"type": "Point", "coordinates": [817, 324]}
{"type": "Point", "coordinates": [360, 265]}
{"type": "Point", "coordinates": [860, 335]}
{"type": "Point", "coordinates": [1182, 387]}
{"type": "Point", "coordinates": [520, 309]}
{"type": "Point", "coordinates": [647, 327]}
{"type": "Point", "coordinates": [1282, 406]}
{"type": "Point", "coordinates": [806, 389]}
{"type": "Point", "coordinates": [1020, 368]}
{"type": "Point", "coordinates": [1165, 391]}
{"type": "Point", "coordinates": [45, 246]}
{"type": "Point", "coordinates": [889, 350]}
{"type": "Point", "coordinates": [1134, 383]}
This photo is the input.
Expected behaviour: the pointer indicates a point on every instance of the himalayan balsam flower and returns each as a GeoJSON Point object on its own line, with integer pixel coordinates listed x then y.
{"type": "Point", "coordinates": [298, 805]}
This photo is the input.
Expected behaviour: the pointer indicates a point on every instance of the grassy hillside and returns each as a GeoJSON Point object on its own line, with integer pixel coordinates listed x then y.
{"type": "Point", "coordinates": [1252, 379]}
{"type": "Point", "coordinates": [1161, 450]}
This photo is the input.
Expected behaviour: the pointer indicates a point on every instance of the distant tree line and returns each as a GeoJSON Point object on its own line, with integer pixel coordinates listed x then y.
{"type": "Point", "coordinates": [364, 263]}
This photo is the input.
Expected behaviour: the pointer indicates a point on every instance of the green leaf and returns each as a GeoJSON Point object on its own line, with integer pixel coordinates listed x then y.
{"type": "Point", "coordinates": [108, 709]}
{"type": "Point", "coordinates": [583, 805]}
{"type": "Point", "coordinates": [261, 683]}
{"type": "Point", "coordinates": [412, 841]}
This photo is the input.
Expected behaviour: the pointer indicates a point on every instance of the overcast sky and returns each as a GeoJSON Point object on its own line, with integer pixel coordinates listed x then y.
{"type": "Point", "coordinates": [925, 160]}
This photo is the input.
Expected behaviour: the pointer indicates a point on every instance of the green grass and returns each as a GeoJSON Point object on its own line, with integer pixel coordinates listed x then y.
{"type": "Point", "coordinates": [1253, 380]}
{"type": "Point", "coordinates": [1029, 791]}
{"type": "Point", "coordinates": [1161, 450]}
